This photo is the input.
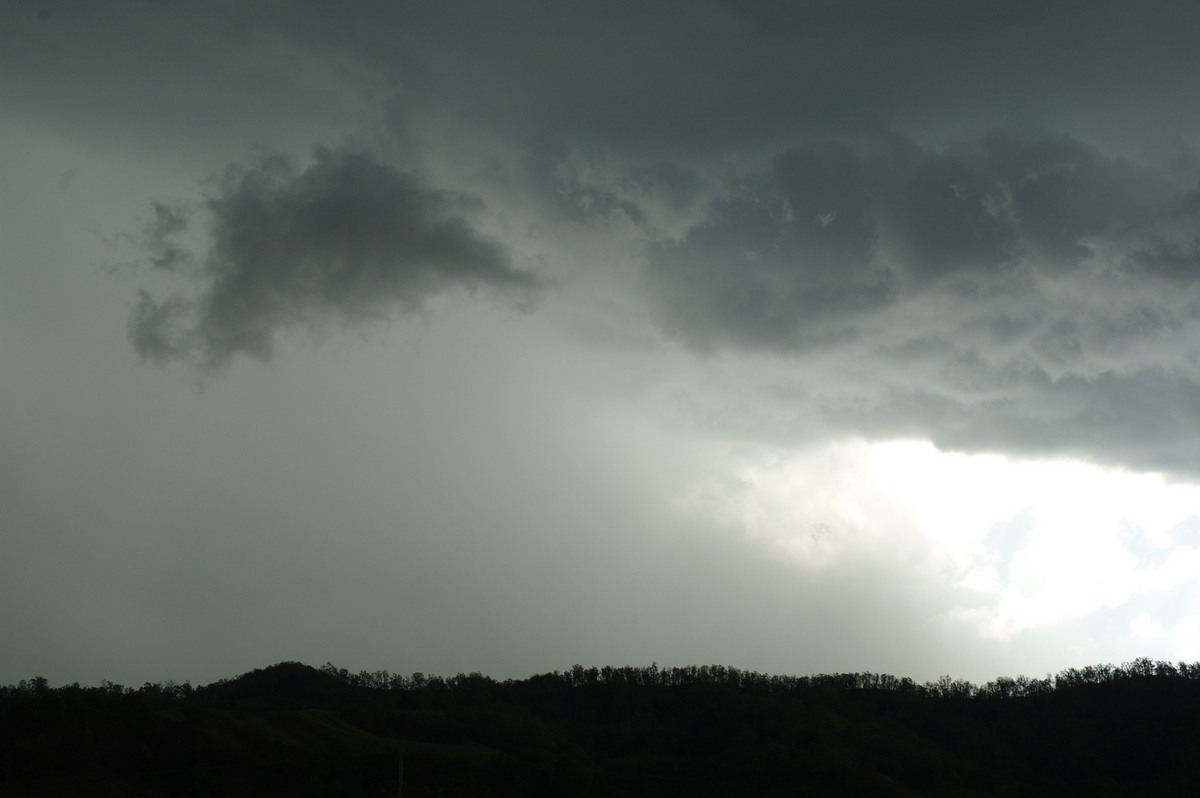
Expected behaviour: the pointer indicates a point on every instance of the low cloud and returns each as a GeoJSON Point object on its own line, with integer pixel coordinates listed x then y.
{"type": "Point", "coordinates": [783, 257]}
{"type": "Point", "coordinates": [346, 240]}
{"type": "Point", "coordinates": [828, 233]}
{"type": "Point", "coordinates": [1011, 294]}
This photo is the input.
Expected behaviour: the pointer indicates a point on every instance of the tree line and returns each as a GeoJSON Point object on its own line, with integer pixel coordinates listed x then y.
{"type": "Point", "coordinates": [654, 676]}
{"type": "Point", "coordinates": [705, 730]}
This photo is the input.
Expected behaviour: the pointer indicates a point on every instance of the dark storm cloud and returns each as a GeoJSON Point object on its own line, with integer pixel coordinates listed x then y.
{"type": "Point", "coordinates": [711, 77]}
{"type": "Point", "coordinates": [1015, 293]}
{"type": "Point", "coordinates": [1145, 418]}
{"type": "Point", "coordinates": [347, 239]}
{"type": "Point", "coordinates": [833, 232]}
{"type": "Point", "coordinates": [673, 79]}
{"type": "Point", "coordinates": [777, 257]}
{"type": "Point", "coordinates": [576, 190]}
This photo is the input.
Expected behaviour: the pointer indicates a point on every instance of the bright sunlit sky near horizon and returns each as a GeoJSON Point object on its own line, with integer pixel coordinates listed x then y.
{"type": "Point", "coordinates": [451, 336]}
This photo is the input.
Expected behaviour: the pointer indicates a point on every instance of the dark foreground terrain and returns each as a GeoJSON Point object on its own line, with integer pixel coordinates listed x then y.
{"type": "Point", "coordinates": [293, 730]}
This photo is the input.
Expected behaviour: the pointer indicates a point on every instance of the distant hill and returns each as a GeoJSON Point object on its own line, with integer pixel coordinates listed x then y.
{"type": "Point", "coordinates": [291, 729]}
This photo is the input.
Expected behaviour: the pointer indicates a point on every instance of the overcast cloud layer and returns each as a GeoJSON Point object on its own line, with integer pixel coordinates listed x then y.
{"type": "Point", "coordinates": [796, 336]}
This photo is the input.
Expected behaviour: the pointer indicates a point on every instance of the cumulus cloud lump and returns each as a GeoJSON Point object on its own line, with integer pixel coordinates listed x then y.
{"type": "Point", "coordinates": [347, 239]}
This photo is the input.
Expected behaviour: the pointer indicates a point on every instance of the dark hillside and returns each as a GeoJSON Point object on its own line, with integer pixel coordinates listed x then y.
{"type": "Point", "coordinates": [713, 731]}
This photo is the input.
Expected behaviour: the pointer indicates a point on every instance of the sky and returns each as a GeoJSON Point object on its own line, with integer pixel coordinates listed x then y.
{"type": "Point", "coordinates": [801, 337]}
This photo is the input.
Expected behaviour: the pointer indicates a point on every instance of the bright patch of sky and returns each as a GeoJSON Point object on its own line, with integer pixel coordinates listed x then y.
{"type": "Point", "coordinates": [1032, 543]}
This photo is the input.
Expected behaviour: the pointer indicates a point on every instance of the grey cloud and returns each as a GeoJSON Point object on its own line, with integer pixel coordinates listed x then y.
{"type": "Point", "coordinates": [347, 239]}
{"type": "Point", "coordinates": [1167, 245]}
{"type": "Point", "coordinates": [703, 79]}
{"type": "Point", "coordinates": [154, 328]}
{"type": "Point", "coordinates": [1146, 418]}
{"type": "Point", "coordinates": [1062, 191]}
{"type": "Point", "coordinates": [777, 258]}
{"type": "Point", "coordinates": [948, 216]}
{"type": "Point", "coordinates": [656, 199]}
{"type": "Point", "coordinates": [1012, 294]}
{"type": "Point", "coordinates": [834, 232]}
{"type": "Point", "coordinates": [1136, 415]}
{"type": "Point", "coordinates": [168, 222]}
{"type": "Point", "coordinates": [709, 78]}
